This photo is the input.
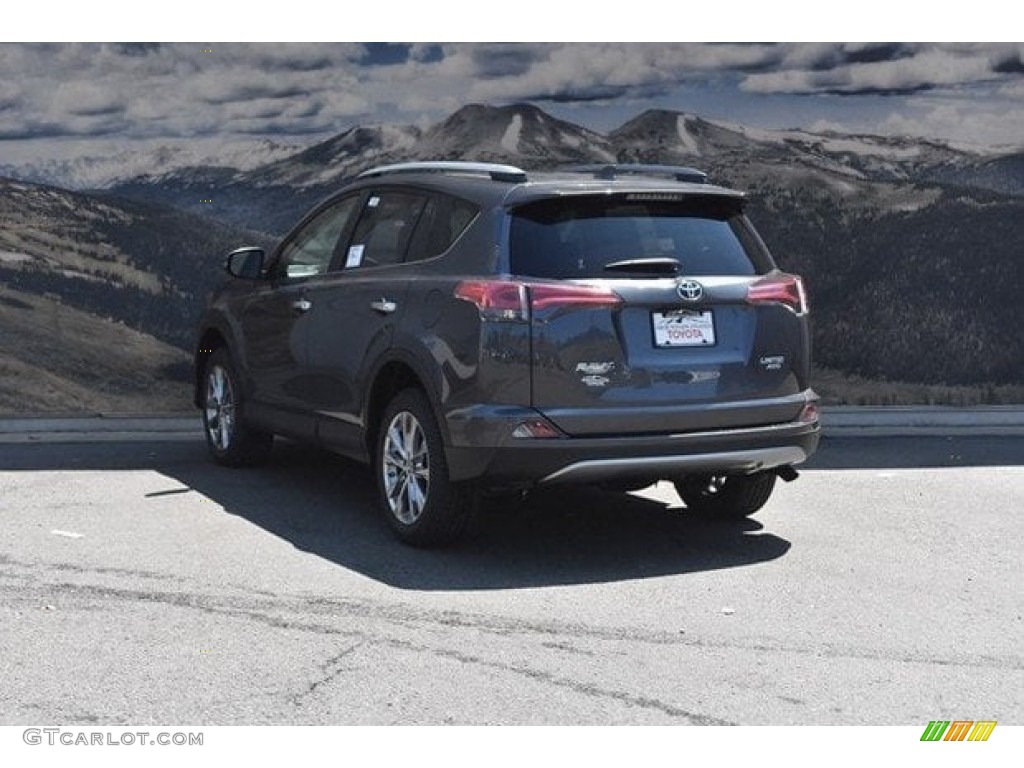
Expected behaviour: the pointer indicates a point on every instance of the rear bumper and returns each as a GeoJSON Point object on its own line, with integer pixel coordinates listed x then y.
{"type": "Point", "coordinates": [677, 465]}
{"type": "Point", "coordinates": [567, 460]}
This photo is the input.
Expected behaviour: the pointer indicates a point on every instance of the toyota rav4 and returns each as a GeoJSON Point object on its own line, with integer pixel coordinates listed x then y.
{"type": "Point", "coordinates": [461, 326]}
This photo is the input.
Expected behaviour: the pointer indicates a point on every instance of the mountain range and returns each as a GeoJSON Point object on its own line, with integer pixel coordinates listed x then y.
{"type": "Point", "coordinates": [525, 135]}
{"type": "Point", "coordinates": [911, 248]}
{"type": "Point", "coordinates": [98, 171]}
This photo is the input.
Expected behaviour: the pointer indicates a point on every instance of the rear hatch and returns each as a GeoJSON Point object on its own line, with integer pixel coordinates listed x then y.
{"type": "Point", "coordinates": [656, 313]}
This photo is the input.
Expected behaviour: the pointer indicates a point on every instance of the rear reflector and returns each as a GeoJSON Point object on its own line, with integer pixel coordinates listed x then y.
{"type": "Point", "coordinates": [810, 413]}
{"type": "Point", "coordinates": [513, 300]}
{"type": "Point", "coordinates": [779, 288]}
{"type": "Point", "coordinates": [535, 428]}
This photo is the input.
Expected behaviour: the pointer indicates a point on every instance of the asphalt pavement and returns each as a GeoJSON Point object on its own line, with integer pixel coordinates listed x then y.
{"type": "Point", "coordinates": [140, 584]}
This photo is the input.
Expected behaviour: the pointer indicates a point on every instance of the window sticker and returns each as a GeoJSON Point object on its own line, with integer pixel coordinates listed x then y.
{"type": "Point", "coordinates": [355, 256]}
{"type": "Point", "coordinates": [373, 202]}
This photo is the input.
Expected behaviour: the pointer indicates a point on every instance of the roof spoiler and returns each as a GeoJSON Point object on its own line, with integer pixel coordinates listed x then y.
{"type": "Point", "coordinates": [611, 171]}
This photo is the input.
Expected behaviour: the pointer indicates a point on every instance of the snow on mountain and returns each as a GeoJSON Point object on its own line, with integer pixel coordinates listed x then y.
{"type": "Point", "coordinates": [510, 139]}
{"type": "Point", "coordinates": [520, 134]}
{"type": "Point", "coordinates": [688, 142]}
{"type": "Point", "coordinates": [743, 153]}
{"type": "Point", "coordinates": [146, 160]}
{"type": "Point", "coordinates": [674, 136]}
{"type": "Point", "coordinates": [330, 161]}
{"type": "Point", "coordinates": [11, 257]}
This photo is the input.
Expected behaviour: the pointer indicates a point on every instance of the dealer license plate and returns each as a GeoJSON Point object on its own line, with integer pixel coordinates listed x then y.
{"type": "Point", "coordinates": [684, 328]}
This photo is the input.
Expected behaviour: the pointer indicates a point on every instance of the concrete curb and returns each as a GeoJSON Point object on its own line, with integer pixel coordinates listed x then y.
{"type": "Point", "coordinates": [100, 428]}
{"type": "Point", "coordinates": [923, 421]}
{"type": "Point", "coordinates": [924, 416]}
{"type": "Point", "coordinates": [838, 421]}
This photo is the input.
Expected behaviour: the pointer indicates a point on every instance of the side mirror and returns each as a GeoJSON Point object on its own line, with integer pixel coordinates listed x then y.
{"type": "Point", "coordinates": [246, 263]}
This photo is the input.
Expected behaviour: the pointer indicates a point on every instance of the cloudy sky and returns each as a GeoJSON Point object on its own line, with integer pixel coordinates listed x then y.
{"type": "Point", "coordinates": [55, 95]}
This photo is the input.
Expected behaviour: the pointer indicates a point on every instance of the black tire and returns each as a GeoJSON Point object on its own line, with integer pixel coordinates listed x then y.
{"type": "Point", "coordinates": [419, 501]}
{"type": "Point", "coordinates": [230, 439]}
{"type": "Point", "coordinates": [725, 497]}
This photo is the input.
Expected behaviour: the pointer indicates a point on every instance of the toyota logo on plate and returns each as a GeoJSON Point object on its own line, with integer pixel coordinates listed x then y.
{"type": "Point", "coordinates": [690, 290]}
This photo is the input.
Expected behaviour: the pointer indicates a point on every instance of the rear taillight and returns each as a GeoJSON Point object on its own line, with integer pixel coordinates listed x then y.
{"type": "Point", "coordinates": [496, 299]}
{"type": "Point", "coordinates": [513, 300]}
{"type": "Point", "coordinates": [779, 289]}
{"type": "Point", "coordinates": [544, 296]}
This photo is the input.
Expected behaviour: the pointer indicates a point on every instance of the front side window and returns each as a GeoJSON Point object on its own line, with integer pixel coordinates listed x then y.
{"type": "Point", "coordinates": [592, 237]}
{"type": "Point", "coordinates": [310, 251]}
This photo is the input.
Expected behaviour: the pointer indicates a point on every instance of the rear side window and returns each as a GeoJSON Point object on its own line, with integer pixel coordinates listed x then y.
{"type": "Point", "coordinates": [384, 229]}
{"type": "Point", "coordinates": [443, 220]}
{"type": "Point", "coordinates": [579, 237]}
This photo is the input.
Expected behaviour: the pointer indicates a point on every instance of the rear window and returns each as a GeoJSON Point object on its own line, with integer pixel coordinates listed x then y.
{"type": "Point", "coordinates": [581, 236]}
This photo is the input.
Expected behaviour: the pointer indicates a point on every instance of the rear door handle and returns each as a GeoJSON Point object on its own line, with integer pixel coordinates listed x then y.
{"type": "Point", "coordinates": [383, 306]}
{"type": "Point", "coordinates": [302, 305]}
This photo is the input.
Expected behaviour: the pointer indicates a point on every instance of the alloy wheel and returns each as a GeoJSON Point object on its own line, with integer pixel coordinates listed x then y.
{"type": "Point", "coordinates": [220, 408]}
{"type": "Point", "coordinates": [406, 468]}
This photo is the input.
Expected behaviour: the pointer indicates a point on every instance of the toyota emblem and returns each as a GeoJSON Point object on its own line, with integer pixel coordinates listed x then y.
{"type": "Point", "coordinates": [690, 290]}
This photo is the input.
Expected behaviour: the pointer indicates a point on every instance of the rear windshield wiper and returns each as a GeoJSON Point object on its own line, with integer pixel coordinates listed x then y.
{"type": "Point", "coordinates": [662, 265]}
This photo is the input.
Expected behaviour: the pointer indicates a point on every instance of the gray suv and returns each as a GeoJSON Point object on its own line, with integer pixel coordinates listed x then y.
{"type": "Point", "coordinates": [463, 326]}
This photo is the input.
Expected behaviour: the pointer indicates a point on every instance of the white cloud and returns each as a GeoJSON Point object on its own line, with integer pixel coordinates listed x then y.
{"type": "Point", "coordinates": [192, 90]}
{"type": "Point", "coordinates": [86, 98]}
{"type": "Point", "coordinates": [924, 69]}
{"type": "Point", "coordinates": [965, 123]}
{"type": "Point", "coordinates": [1012, 90]}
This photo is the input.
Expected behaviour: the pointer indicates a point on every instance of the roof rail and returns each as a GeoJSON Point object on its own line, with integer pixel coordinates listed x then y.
{"type": "Point", "coordinates": [494, 170]}
{"type": "Point", "coordinates": [613, 170]}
